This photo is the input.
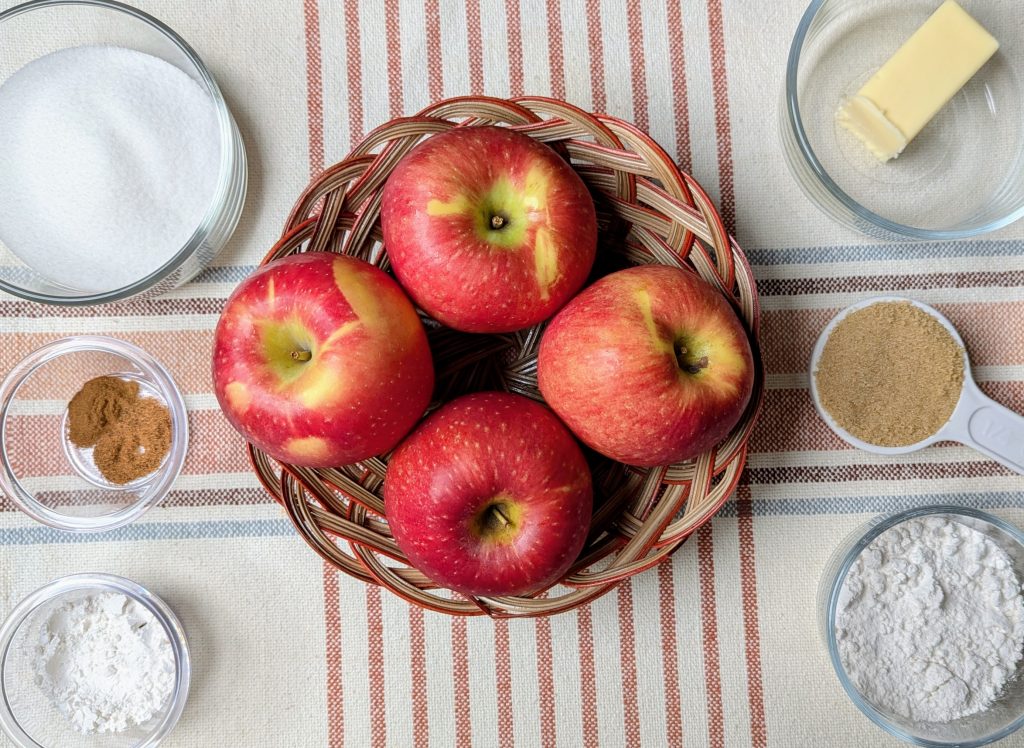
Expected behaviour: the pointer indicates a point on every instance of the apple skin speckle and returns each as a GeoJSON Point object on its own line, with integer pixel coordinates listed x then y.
{"type": "Point", "coordinates": [438, 483]}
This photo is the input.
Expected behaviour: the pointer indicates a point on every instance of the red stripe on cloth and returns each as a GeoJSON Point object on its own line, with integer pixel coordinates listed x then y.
{"type": "Point", "coordinates": [670, 655]}
{"type": "Point", "coordinates": [751, 619]}
{"type": "Point", "coordinates": [393, 34]}
{"type": "Point", "coordinates": [332, 636]}
{"type": "Point", "coordinates": [556, 60]}
{"type": "Point", "coordinates": [214, 447]}
{"type": "Point", "coordinates": [375, 653]}
{"type": "Point", "coordinates": [588, 688]}
{"type": "Point", "coordinates": [515, 47]}
{"type": "Point", "coordinates": [680, 97]}
{"type": "Point", "coordinates": [475, 48]}
{"type": "Point", "coordinates": [435, 69]}
{"type": "Point", "coordinates": [460, 674]}
{"type": "Point", "coordinates": [627, 658]}
{"type": "Point", "coordinates": [178, 350]}
{"type": "Point", "coordinates": [723, 127]}
{"type": "Point", "coordinates": [638, 68]}
{"type": "Point", "coordinates": [709, 635]}
{"type": "Point", "coordinates": [545, 683]}
{"type": "Point", "coordinates": [788, 335]}
{"type": "Point", "coordinates": [354, 63]}
{"type": "Point", "coordinates": [790, 423]}
{"type": "Point", "coordinates": [314, 86]}
{"type": "Point", "coordinates": [595, 44]}
{"type": "Point", "coordinates": [418, 665]}
{"type": "Point", "coordinates": [503, 684]}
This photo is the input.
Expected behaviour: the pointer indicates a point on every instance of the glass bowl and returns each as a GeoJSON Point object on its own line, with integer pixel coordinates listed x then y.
{"type": "Point", "coordinates": [34, 29]}
{"type": "Point", "coordinates": [43, 472]}
{"type": "Point", "coordinates": [29, 718]}
{"type": "Point", "coordinates": [963, 175]}
{"type": "Point", "coordinates": [1006, 714]}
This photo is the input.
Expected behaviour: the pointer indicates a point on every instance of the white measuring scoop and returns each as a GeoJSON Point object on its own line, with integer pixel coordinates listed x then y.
{"type": "Point", "coordinates": [977, 420]}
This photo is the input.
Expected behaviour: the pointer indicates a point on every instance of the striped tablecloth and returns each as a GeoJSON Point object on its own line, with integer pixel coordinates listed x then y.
{"type": "Point", "coordinates": [717, 648]}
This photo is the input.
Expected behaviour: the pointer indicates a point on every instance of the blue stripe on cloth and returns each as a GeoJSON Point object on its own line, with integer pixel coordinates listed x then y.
{"type": "Point", "coordinates": [875, 504]}
{"type": "Point", "coordinates": [214, 529]}
{"type": "Point", "coordinates": [262, 528]}
{"type": "Point", "coordinates": [877, 252]}
{"type": "Point", "coordinates": [784, 255]}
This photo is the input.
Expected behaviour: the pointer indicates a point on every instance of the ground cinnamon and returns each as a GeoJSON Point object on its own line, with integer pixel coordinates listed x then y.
{"type": "Point", "coordinates": [94, 408]}
{"type": "Point", "coordinates": [131, 435]}
{"type": "Point", "coordinates": [890, 374]}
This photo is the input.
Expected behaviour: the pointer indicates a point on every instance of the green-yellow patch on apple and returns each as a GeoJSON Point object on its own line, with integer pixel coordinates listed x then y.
{"type": "Point", "coordinates": [643, 303]}
{"type": "Point", "coordinates": [239, 397]}
{"type": "Point", "coordinates": [359, 295]}
{"type": "Point", "coordinates": [545, 261]}
{"type": "Point", "coordinates": [320, 388]}
{"type": "Point", "coordinates": [311, 448]}
{"type": "Point", "coordinates": [279, 341]}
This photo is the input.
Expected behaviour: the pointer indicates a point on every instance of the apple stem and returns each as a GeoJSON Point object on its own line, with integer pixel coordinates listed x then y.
{"type": "Point", "coordinates": [496, 511]}
{"type": "Point", "coordinates": [497, 221]}
{"type": "Point", "coordinates": [301, 355]}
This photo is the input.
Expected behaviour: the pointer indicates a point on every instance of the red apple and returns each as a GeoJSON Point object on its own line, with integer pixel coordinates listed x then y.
{"type": "Point", "coordinates": [490, 496]}
{"type": "Point", "coordinates": [488, 229]}
{"type": "Point", "coordinates": [320, 360]}
{"type": "Point", "coordinates": [649, 366]}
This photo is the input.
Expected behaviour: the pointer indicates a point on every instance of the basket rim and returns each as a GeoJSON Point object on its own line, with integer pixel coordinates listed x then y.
{"type": "Point", "coordinates": [317, 206]}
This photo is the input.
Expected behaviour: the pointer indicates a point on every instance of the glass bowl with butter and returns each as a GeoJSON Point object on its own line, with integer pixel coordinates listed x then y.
{"type": "Point", "coordinates": [905, 120]}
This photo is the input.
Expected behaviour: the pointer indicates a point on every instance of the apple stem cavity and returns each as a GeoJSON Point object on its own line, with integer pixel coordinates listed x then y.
{"type": "Point", "coordinates": [686, 361]}
{"type": "Point", "coordinates": [498, 516]}
{"type": "Point", "coordinates": [301, 356]}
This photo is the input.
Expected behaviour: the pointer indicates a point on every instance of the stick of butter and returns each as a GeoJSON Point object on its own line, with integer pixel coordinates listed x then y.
{"type": "Point", "coordinates": [917, 81]}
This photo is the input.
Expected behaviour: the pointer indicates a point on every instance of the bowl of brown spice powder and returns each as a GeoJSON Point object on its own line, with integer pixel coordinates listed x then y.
{"type": "Point", "coordinates": [93, 432]}
{"type": "Point", "coordinates": [891, 375]}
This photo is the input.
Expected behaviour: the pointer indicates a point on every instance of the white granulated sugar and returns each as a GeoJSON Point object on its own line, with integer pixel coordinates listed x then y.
{"type": "Point", "coordinates": [109, 163]}
{"type": "Point", "coordinates": [930, 622]}
{"type": "Point", "coordinates": [106, 663]}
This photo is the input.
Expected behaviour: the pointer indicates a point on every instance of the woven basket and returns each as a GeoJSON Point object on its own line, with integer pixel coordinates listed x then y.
{"type": "Point", "coordinates": [648, 212]}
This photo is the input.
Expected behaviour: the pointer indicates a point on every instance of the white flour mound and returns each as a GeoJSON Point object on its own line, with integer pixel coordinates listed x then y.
{"type": "Point", "coordinates": [106, 663]}
{"type": "Point", "coordinates": [930, 622]}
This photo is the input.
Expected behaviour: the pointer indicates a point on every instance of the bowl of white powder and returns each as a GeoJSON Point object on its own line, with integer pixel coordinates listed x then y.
{"type": "Point", "coordinates": [122, 170]}
{"type": "Point", "coordinates": [923, 615]}
{"type": "Point", "coordinates": [92, 661]}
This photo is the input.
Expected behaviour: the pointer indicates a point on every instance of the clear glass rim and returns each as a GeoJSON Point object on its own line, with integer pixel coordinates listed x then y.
{"type": "Point", "coordinates": [155, 493]}
{"type": "Point", "coordinates": [816, 167]}
{"type": "Point", "coordinates": [100, 583]}
{"type": "Point", "coordinates": [220, 198]}
{"type": "Point", "coordinates": [885, 523]}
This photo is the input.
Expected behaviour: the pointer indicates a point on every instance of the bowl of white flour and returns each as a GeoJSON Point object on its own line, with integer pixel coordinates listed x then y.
{"type": "Point", "coordinates": [923, 615]}
{"type": "Point", "coordinates": [122, 170]}
{"type": "Point", "coordinates": [92, 661]}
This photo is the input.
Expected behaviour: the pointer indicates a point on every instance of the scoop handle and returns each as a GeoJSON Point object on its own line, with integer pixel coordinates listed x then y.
{"type": "Point", "coordinates": [991, 428]}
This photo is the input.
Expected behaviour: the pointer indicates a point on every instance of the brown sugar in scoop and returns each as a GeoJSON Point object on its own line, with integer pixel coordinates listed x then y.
{"type": "Point", "coordinates": [890, 374]}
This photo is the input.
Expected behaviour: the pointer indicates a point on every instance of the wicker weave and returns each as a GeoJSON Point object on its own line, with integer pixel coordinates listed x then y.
{"type": "Point", "coordinates": [648, 212]}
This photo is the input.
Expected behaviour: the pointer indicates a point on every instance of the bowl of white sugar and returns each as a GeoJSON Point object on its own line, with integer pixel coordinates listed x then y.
{"type": "Point", "coordinates": [92, 661]}
{"type": "Point", "coordinates": [922, 612]}
{"type": "Point", "coordinates": [122, 171]}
